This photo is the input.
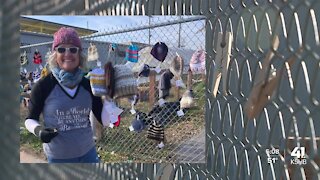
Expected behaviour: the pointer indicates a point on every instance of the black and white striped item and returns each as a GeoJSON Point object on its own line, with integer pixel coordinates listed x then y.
{"type": "Point", "coordinates": [156, 132]}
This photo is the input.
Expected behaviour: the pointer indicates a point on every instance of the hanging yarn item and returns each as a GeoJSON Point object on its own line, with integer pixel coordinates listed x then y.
{"type": "Point", "coordinates": [109, 77]}
{"type": "Point", "coordinates": [198, 62]}
{"type": "Point", "coordinates": [98, 82]}
{"type": "Point", "coordinates": [159, 51]}
{"type": "Point", "coordinates": [93, 53]}
{"type": "Point", "coordinates": [177, 67]}
{"type": "Point", "coordinates": [132, 53]}
{"type": "Point", "coordinates": [156, 131]}
{"type": "Point", "coordinates": [125, 82]}
{"type": "Point", "coordinates": [23, 58]}
{"type": "Point", "coordinates": [165, 84]}
{"type": "Point", "coordinates": [37, 57]}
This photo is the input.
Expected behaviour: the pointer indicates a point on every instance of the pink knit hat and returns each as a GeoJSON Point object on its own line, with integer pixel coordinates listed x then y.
{"type": "Point", "coordinates": [66, 35]}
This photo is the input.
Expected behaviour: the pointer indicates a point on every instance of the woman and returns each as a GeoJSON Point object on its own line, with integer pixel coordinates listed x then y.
{"type": "Point", "coordinates": [65, 99]}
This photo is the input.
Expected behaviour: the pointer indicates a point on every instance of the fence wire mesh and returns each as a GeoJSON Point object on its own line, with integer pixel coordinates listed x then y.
{"type": "Point", "coordinates": [235, 144]}
{"type": "Point", "coordinates": [184, 135]}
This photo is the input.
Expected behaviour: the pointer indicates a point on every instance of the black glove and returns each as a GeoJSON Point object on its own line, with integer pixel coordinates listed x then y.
{"type": "Point", "coordinates": [45, 134]}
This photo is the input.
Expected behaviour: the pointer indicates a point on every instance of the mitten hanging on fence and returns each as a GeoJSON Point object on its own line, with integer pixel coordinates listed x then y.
{"type": "Point", "coordinates": [37, 57]}
{"type": "Point", "coordinates": [93, 53]}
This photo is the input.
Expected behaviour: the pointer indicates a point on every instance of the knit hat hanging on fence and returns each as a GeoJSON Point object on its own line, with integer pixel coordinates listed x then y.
{"type": "Point", "coordinates": [125, 82]}
{"type": "Point", "coordinates": [159, 51]}
{"type": "Point", "coordinates": [92, 53]}
{"type": "Point", "coordinates": [144, 70]}
{"type": "Point", "coordinates": [98, 82]}
{"type": "Point", "coordinates": [23, 58]}
{"type": "Point", "coordinates": [37, 57]}
{"type": "Point", "coordinates": [198, 62]}
{"type": "Point", "coordinates": [156, 131]}
{"type": "Point", "coordinates": [132, 53]}
{"type": "Point", "coordinates": [138, 124]}
{"type": "Point", "coordinates": [66, 35]}
{"type": "Point", "coordinates": [187, 100]}
{"type": "Point", "coordinates": [177, 66]}
{"type": "Point", "coordinates": [165, 84]}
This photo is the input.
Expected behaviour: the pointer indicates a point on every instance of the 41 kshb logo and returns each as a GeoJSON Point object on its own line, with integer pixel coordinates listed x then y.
{"type": "Point", "coordinates": [298, 155]}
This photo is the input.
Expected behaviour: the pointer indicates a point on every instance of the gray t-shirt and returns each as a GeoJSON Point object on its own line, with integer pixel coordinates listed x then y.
{"type": "Point", "coordinates": [68, 114]}
{"type": "Point", "coordinates": [71, 118]}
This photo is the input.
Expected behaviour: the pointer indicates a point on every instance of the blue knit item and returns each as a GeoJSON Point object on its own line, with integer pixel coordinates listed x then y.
{"type": "Point", "coordinates": [66, 78]}
{"type": "Point", "coordinates": [132, 53]}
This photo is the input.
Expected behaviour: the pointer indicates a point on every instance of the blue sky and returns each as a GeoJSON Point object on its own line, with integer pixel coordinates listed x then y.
{"type": "Point", "coordinates": [109, 23]}
{"type": "Point", "coordinates": [98, 23]}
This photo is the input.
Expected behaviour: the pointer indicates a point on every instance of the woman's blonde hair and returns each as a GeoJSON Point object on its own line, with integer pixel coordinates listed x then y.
{"type": "Point", "coordinates": [52, 62]}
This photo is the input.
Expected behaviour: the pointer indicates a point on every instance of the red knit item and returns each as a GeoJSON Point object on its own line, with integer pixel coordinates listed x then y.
{"type": "Point", "coordinates": [118, 122]}
{"type": "Point", "coordinates": [37, 58]}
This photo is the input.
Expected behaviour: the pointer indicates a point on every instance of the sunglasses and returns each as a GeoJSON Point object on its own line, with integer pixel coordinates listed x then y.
{"type": "Point", "coordinates": [72, 50]}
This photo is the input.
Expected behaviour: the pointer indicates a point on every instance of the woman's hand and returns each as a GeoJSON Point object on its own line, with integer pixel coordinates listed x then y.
{"type": "Point", "coordinates": [45, 134]}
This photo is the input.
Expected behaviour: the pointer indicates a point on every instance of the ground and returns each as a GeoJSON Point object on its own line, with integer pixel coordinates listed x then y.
{"type": "Point", "coordinates": [29, 156]}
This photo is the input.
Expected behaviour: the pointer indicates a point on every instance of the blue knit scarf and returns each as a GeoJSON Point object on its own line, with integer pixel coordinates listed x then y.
{"type": "Point", "coordinates": [66, 78]}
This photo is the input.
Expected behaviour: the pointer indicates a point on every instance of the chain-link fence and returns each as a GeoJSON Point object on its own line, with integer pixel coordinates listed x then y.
{"type": "Point", "coordinates": [286, 126]}
{"type": "Point", "coordinates": [184, 136]}
{"type": "Point", "coordinates": [177, 110]}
